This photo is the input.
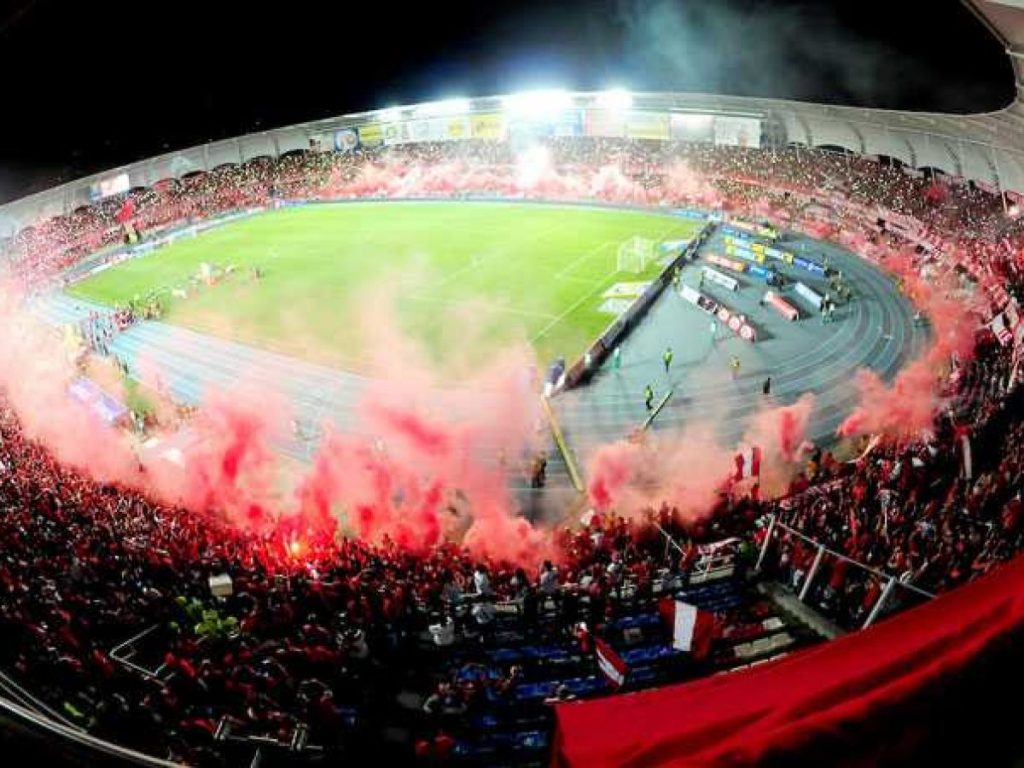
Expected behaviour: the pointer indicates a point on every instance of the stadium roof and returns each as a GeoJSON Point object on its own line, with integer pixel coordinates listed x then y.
{"type": "Point", "coordinates": [986, 148]}
{"type": "Point", "coordinates": [1005, 20]}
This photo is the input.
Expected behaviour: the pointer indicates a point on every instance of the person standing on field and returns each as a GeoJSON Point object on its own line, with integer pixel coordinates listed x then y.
{"type": "Point", "coordinates": [649, 397]}
{"type": "Point", "coordinates": [666, 358]}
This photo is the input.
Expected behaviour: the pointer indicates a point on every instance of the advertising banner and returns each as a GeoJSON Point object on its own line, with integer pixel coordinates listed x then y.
{"type": "Point", "coordinates": [808, 265]}
{"type": "Point", "coordinates": [758, 271]}
{"type": "Point", "coordinates": [721, 261]}
{"type": "Point", "coordinates": [780, 305]}
{"type": "Point", "coordinates": [690, 213]}
{"type": "Point", "coordinates": [690, 294]}
{"type": "Point", "coordinates": [814, 298]}
{"type": "Point", "coordinates": [744, 253]}
{"type": "Point", "coordinates": [604, 123]}
{"type": "Point", "coordinates": [569, 123]}
{"type": "Point", "coordinates": [487, 126]}
{"type": "Point", "coordinates": [524, 131]}
{"type": "Point", "coordinates": [420, 131]}
{"type": "Point", "coordinates": [717, 277]}
{"type": "Point", "coordinates": [454, 128]}
{"type": "Point", "coordinates": [737, 131]}
{"type": "Point", "coordinates": [346, 140]}
{"type": "Point", "coordinates": [395, 133]}
{"type": "Point", "coordinates": [112, 185]}
{"type": "Point", "coordinates": [371, 134]}
{"type": "Point", "coordinates": [692, 128]}
{"type": "Point", "coordinates": [648, 125]}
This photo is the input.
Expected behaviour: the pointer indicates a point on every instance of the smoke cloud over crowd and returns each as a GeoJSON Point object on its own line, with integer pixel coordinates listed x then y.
{"type": "Point", "coordinates": [429, 455]}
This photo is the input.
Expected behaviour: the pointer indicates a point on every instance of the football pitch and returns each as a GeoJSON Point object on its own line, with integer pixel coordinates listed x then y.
{"type": "Point", "coordinates": [458, 274]}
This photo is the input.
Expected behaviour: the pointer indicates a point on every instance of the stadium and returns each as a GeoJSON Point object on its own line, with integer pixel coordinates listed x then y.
{"type": "Point", "coordinates": [549, 428]}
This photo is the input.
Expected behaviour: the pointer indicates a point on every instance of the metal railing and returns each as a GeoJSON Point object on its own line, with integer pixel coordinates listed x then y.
{"type": "Point", "coordinates": [892, 583]}
{"type": "Point", "coordinates": [126, 651]}
{"type": "Point", "coordinates": [18, 695]}
{"type": "Point", "coordinates": [89, 749]}
{"type": "Point", "coordinates": [716, 560]}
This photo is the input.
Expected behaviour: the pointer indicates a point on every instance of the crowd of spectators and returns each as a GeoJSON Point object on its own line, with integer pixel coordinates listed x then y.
{"type": "Point", "coordinates": [320, 639]}
{"type": "Point", "coordinates": [320, 643]}
{"type": "Point", "coordinates": [927, 513]}
{"type": "Point", "coordinates": [776, 181]}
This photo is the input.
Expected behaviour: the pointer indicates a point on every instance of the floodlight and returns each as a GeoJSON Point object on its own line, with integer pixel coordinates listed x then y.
{"type": "Point", "coordinates": [538, 103]}
{"type": "Point", "coordinates": [457, 106]}
{"type": "Point", "coordinates": [615, 98]}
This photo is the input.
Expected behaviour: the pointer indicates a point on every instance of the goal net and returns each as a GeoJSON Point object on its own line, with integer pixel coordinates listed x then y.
{"type": "Point", "coordinates": [635, 255]}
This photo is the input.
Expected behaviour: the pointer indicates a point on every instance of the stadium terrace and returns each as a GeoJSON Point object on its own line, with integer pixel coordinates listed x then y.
{"type": "Point", "coordinates": [710, 401]}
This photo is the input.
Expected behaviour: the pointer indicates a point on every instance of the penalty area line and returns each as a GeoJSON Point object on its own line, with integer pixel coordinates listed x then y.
{"type": "Point", "coordinates": [586, 297]}
{"type": "Point", "coordinates": [563, 272]}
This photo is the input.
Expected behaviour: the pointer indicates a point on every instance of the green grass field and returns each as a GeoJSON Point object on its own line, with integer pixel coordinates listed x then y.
{"type": "Point", "coordinates": [491, 272]}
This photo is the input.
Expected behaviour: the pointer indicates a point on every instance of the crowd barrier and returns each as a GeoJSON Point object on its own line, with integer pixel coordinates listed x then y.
{"type": "Point", "coordinates": [776, 529]}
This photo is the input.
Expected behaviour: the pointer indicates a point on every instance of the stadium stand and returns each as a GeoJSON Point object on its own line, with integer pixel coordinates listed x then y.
{"type": "Point", "coordinates": [368, 651]}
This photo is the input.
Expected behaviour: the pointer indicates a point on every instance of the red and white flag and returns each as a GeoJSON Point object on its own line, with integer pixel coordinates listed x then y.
{"type": "Point", "coordinates": [1002, 333]}
{"type": "Point", "coordinates": [610, 663]}
{"type": "Point", "coordinates": [748, 463]}
{"type": "Point", "coordinates": [692, 628]}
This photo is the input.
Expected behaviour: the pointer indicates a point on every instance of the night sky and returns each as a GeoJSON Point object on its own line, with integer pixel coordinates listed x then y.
{"type": "Point", "coordinates": [89, 85]}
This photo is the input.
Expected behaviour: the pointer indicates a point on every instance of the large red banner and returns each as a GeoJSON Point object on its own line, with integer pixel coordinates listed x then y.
{"type": "Point", "coordinates": [940, 682]}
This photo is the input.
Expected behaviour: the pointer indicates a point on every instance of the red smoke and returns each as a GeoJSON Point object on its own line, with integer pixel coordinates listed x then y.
{"type": "Point", "coordinates": [412, 178]}
{"type": "Point", "coordinates": [687, 470]}
{"type": "Point", "coordinates": [611, 469]}
{"type": "Point", "coordinates": [422, 464]}
{"type": "Point", "coordinates": [908, 406]}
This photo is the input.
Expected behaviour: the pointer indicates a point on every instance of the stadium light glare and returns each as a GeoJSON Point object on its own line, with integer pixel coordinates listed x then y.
{"type": "Point", "coordinates": [615, 99]}
{"type": "Point", "coordinates": [1013, 211]}
{"type": "Point", "coordinates": [391, 114]}
{"type": "Point", "coordinates": [454, 106]}
{"type": "Point", "coordinates": [531, 164]}
{"type": "Point", "coordinates": [692, 121]}
{"type": "Point", "coordinates": [538, 103]}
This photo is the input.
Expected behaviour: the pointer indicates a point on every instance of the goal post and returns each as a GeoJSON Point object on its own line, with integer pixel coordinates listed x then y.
{"type": "Point", "coordinates": [635, 254]}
